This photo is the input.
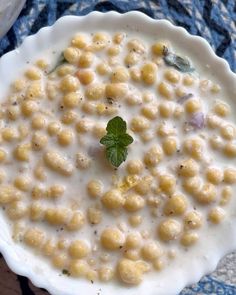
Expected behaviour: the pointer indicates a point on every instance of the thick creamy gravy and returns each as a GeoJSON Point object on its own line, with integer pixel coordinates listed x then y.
{"type": "Point", "coordinates": [62, 195]}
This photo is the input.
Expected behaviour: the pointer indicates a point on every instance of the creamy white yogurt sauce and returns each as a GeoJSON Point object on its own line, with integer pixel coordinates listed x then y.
{"type": "Point", "coordinates": [188, 107]}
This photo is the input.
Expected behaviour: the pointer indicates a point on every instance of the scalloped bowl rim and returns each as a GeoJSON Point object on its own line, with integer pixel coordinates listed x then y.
{"type": "Point", "coordinates": [228, 77]}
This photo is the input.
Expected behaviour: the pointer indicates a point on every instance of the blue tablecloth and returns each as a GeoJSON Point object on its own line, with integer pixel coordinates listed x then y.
{"type": "Point", "coordinates": [214, 20]}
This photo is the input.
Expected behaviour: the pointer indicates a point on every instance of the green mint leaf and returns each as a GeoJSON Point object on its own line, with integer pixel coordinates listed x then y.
{"type": "Point", "coordinates": [180, 63]}
{"type": "Point", "coordinates": [125, 139]}
{"type": "Point", "coordinates": [116, 155]}
{"type": "Point", "coordinates": [183, 64]}
{"type": "Point", "coordinates": [61, 60]}
{"type": "Point", "coordinates": [66, 272]}
{"type": "Point", "coordinates": [116, 141]}
{"type": "Point", "coordinates": [116, 126]}
{"type": "Point", "coordinates": [108, 140]}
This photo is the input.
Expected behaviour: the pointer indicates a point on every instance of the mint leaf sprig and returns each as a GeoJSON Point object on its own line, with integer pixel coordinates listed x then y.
{"type": "Point", "coordinates": [116, 141]}
{"type": "Point", "coordinates": [176, 61]}
{"type": "Point", "coordinates": [61, 60]}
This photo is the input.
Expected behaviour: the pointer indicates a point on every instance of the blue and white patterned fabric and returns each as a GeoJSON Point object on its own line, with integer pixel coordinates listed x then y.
{"type": "Point", "coordinates": [211, 286]}
{"type": "Point", "coordinates": [215, 20]}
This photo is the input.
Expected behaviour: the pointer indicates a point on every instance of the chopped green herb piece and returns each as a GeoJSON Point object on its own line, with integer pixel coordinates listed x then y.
{"type": "Point", "coordinates": [116, 141]}
{"type": "Point", "coordinates": [108, 140]}
{"type": "Point", "coordinates": [66, 272]}
{"type": "Point", "coordinates": [180, 63]}
{"type": "Point", "coordinates": [125, 139]}
{"type": "Point", "coordinates": [116, 154]}
{"type": "Point", "coordinates": [116, 126]}
{"type": "Point", "coordinates": [61, 60]}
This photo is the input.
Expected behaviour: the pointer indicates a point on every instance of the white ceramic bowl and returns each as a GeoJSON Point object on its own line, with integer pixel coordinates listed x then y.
{"type": "Point", "coordinates": [55, 38]}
